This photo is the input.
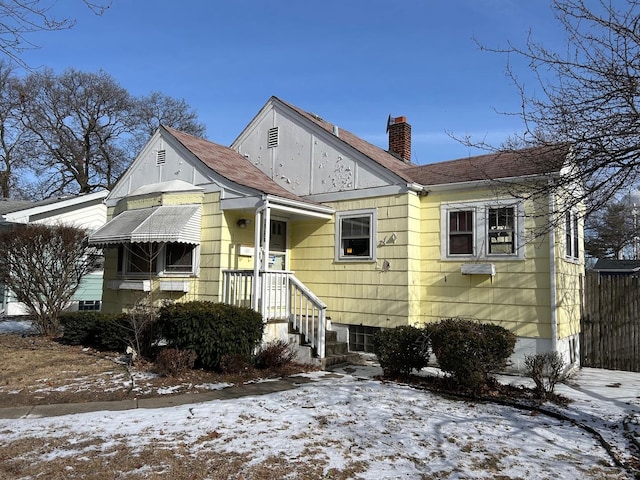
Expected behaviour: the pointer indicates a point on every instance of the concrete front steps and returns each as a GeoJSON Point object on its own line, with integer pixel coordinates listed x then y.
{"type": "Point", "coordinates": [336, 352]}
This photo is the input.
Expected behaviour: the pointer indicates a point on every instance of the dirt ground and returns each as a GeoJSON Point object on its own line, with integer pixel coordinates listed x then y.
{"type": "Point", "coordinates": [36, 371]}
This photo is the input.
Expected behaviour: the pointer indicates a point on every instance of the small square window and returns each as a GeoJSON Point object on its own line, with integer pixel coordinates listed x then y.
{"type": "Point", "coordinates": [355, 235]}
{"type": "Point", "coordinates": [141, 258]}
{"type": "Point", "coordinates": [361, 338]}
{"type": "Point", "coordinates": [178, 258]}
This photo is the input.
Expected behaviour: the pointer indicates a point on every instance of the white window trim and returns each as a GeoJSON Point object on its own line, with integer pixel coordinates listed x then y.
{"type": "Point", "coordinates": [480, 211]}
{"type": "Point", "coordinates": [569, 254]}
{"type": "Point", "coordinates": [160, 265]}
{"type": "Point", "coordinates": [373, 217]}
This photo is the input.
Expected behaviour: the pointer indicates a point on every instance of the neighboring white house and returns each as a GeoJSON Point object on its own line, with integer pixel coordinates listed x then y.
{"type": "Point", "coordinates": [86, 211]}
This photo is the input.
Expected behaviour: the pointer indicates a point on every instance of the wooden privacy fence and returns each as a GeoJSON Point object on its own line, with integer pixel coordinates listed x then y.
{"type": "Point", "coordinates": [611, 323]}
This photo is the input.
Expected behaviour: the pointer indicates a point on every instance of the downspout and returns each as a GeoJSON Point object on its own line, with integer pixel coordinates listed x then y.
{"type": "Point", "coordinates": [552, 268]}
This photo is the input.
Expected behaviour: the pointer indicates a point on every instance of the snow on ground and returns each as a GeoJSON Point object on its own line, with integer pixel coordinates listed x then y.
{"type": "Point", "coordinates": [18, 327]}
{"type": "Point", "coordinates": [396, 431]}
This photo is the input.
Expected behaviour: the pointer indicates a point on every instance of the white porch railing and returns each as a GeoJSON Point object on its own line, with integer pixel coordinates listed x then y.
{"type": "Point", "coordinates": [281, 296]}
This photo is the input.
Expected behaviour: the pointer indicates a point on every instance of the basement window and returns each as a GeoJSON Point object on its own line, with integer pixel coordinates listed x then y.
{"type": "Point", "coordinates": [361, 338]}
{"type": "Point", "coordinates": [273, 137]}
{"type": "Point", "coordinates": [89, 305]}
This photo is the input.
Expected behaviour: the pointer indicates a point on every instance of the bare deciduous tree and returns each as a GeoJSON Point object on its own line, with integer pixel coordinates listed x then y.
{"type": "Point", "coordinates": [159, 109]}
{"type": "Point", "coordinates": [84, 128]}
{"type": "Point", "coordinates": [21, 18]}
{"type": "Point", "coordinates": [78, 122]}
{"type": "Point", "coordinates": [587, 97]}
{"type": "Point", "coordinates": [13, 134]}
{"type": "Point", "coordinates": [612, 231]}
{"type": "Point", "coordinates": [42, 266]}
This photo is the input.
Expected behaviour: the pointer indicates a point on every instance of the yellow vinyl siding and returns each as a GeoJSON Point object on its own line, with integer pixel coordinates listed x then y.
{"type": "Point", "coordinates": [122, 300]}
{"type": "Point", "coordinates": [360, 292]}
{"type": "Point", "coordinates": [517, 297]}
{"type": "Point", "coordinates": [569, 282]}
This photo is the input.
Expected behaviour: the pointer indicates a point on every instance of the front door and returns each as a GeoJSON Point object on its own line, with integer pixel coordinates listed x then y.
{"type": "Point", "coordinates": [276, 287]}
{"type": "Point", "coordinates": [278, 245]}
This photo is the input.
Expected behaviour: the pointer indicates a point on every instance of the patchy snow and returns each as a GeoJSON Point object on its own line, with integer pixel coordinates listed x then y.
{"type": "Point", "coordinates": [346, 417]}
{"type": "Point", "coordinates": [16, 326]}
{"type": "Point", "coordinates": [396, 431]}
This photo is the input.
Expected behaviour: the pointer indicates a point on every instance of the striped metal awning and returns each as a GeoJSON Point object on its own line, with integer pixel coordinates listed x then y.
{"type": "Point", "coordinates": [167, 223]}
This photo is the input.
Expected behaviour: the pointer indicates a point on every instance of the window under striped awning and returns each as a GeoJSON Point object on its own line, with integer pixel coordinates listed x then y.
{"type": "Point", "coordinates": [167, 223]}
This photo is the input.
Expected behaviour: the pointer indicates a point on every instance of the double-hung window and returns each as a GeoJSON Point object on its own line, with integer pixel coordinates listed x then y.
{"type": "Point", "coordinates": [501, 230]}
{"type": "Point", "coordinates": [572, 240]}
{"type": "Point", "coordinates": [355, 234]}
{"type": "Point", "coordinates": [461, 232]}
{"type": "Point", "coordinates": [482, 230]}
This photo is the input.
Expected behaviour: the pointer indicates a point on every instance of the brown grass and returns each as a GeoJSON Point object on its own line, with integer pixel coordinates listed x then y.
{"type": "Point", "coordinates": [58, 459]}
{"type": "Point", "coordinates": [37, 370]}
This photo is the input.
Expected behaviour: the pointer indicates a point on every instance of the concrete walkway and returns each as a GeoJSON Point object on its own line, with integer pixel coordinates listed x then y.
{"type": "Point", "coordinates": [235, 391]}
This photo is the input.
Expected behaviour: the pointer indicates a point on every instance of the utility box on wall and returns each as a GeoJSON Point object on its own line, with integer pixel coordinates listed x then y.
{"type": "Point", "coordinates": [478, 269]}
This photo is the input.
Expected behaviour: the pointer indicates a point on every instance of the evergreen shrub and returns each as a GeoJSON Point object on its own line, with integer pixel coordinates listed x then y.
{"type": "Point", "coordinates": [99, 330]}
{"type": "Point", "coordinates": [401, 349]}
{"type": "Point", "coordinates": [211, 330]}
{"type": "Point", "coordinates": [469, 351]}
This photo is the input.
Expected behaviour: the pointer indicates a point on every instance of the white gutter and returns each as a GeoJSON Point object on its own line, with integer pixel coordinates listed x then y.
{"type": "Point", "coordinates": [281, 203]}
{"type": "Point", "coordinates": [552, 269]}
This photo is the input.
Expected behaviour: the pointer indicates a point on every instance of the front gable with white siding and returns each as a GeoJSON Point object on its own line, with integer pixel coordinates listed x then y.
{"type": "Point", "coordinates": [306, 159]}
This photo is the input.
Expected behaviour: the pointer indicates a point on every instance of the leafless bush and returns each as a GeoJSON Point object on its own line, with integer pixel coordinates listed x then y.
{"type": "Point", "coordinates": [173, 362]}
{"type": "Point", "coordinates": [546, 370]}
{"type": "Point", "coordinates": [274, 354]}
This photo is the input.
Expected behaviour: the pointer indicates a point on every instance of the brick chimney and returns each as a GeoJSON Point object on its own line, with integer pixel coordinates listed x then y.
{"type": "Point", "coordinates": [399, 138]}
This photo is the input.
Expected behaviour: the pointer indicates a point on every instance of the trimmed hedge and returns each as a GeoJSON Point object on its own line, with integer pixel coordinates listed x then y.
{"type": "Point", "coordinates": [401, 349]}
{"type": "Point", "coordinates": [96, 329]}
{"type": "Point", "coordinates": [471, 351]}
{"type": "Point", "coordinates": [211, 330]}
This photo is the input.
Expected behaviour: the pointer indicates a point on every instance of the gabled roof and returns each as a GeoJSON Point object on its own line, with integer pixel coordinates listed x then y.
{"type": "Point", "coordinates": [377, 154]}
{"type": "Point", "coordinates": [12, 210]}
{"type": "Point", "coordinates": [495, 166]}
{"type": "Point", "coordinates": [500, 165]}
{"type": "Point", "coordinates": [9, 205]}
{"type": "Point", "coordinates": [228, 163]}
{"type": "Point", "coordinates": [231, 165]}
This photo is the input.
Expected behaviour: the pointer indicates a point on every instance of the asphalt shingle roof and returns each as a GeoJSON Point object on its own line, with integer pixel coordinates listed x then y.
{"type": "Point", "coordinates": [501, 165]}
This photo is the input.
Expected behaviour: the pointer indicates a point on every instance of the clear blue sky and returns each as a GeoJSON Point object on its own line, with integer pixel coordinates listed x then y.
{"type": "Point", "coordinates": [353, 62]}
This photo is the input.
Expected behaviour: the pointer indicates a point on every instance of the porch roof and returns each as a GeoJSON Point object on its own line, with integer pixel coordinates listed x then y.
{"type": "Point", "coordinates": [167, 223]}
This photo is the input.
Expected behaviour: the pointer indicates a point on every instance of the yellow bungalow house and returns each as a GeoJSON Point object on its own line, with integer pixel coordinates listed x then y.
{"type": "Point", "coordinates": [324, 232]}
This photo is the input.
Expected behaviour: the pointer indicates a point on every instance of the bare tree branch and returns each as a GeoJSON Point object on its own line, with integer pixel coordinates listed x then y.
{"type": "Point", "coordinates": [21, 18]}
{"type": "Point", "coordinates": [588, 98]}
